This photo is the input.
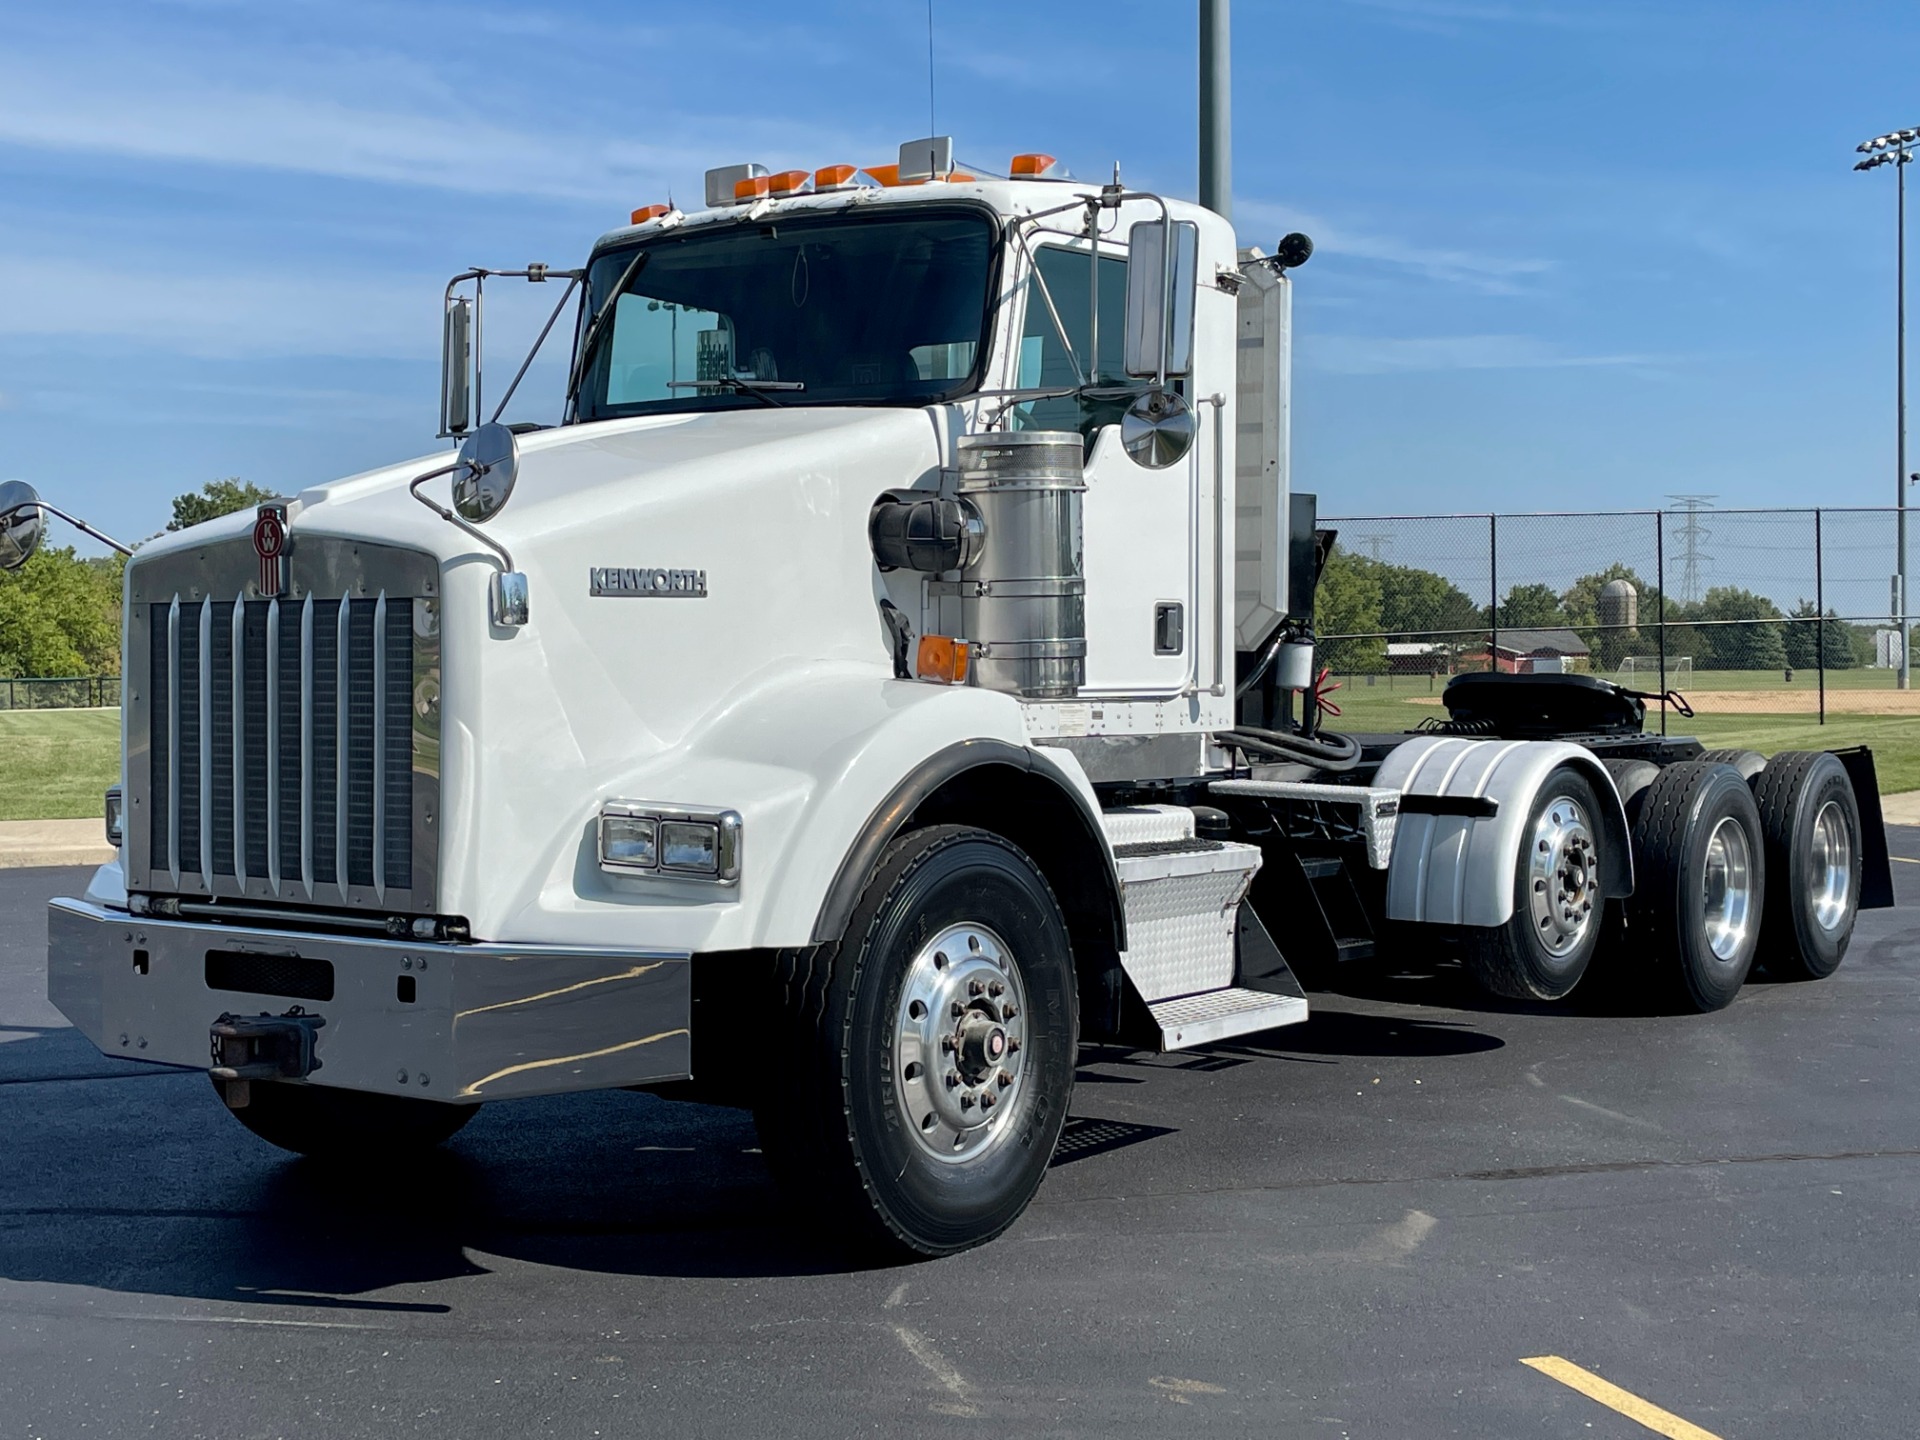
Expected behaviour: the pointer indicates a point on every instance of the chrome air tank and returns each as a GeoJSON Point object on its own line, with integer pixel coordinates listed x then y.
{"type": "Point", "coordinates": [1023, 600]}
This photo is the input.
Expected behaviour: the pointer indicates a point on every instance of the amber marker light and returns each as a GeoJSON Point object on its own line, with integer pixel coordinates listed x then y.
{"type": "Point", "coordinates": [650, 212]}
{"type": "Point", "coordinates": [834, 177]}
{"type": "Point", "coordinates": [754, 187]}
{"type": "Point", "coordinates": [942, 660]}
{"type": "Point", "coordinates": [1031, 167]}
{"type": "Point", "coordinates": [787, 183]}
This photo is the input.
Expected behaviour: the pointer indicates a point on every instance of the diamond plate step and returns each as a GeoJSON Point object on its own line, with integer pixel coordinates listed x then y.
{"type": "Point", "coordinates": [1219, 1014]}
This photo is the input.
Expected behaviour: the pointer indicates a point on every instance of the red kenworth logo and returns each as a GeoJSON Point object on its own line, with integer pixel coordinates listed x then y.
{"type": "Point", "coordinates": [270, 544]}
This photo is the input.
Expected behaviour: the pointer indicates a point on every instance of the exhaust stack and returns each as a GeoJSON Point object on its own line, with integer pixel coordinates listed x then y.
{"type": "Point", "coordinates": [1216, 108]}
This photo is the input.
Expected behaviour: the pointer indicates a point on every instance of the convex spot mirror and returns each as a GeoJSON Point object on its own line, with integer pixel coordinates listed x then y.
{"type": "Point", "coordinates": [1160, 297]}
{"type": "Point", "coordinates": [22, 523]}
{"type": "Point", "coordinates": [1158, 429]}
{"type": "Point", "coordinates": [490, 463]}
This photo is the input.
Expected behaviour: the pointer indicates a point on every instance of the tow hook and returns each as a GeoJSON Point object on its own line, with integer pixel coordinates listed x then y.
{"type": "Point", "coordinates": [261, 1047]}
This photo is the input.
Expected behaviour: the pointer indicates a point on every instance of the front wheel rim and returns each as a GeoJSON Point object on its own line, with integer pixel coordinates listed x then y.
{"type": "Point", "coordinates": [960, 1032]}
{"type": "Point", "coordinates": [1829, 876]}
{"type": "Point", "coordinates": [1728, 885]}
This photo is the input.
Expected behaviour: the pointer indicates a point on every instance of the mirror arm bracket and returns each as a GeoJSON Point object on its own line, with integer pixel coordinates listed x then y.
{"type": "Point", "coordinates": [82, 526]}
{"type": "Point", "coordinates": [456, 520]}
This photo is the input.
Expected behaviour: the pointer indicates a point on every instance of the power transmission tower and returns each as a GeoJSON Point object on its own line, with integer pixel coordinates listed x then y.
{"type": "Point", "coordinates": [1373, 544]}
{"type": "Point", "coordinates": [1692, 535]}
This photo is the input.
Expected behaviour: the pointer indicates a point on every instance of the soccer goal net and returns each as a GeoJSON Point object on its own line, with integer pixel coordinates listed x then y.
{"type": "Point", "coordinates": [1639, 671]}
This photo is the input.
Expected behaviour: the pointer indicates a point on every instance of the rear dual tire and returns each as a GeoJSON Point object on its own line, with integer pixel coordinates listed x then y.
{"type": "Point", "coordinates": [1694, 920]}
{"type": "Point", "coordinates": [1811, 823]}
{"type": "Point", "coordinates": [1546, 945]}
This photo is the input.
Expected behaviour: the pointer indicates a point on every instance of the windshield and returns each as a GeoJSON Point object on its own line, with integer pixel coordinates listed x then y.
{"type": "Point", "coordinates": [883, 309]}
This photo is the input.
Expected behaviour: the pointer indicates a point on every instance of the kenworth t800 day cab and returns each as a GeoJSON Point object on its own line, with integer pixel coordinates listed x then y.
{"type": "Point", "coordinates": [881, 681]}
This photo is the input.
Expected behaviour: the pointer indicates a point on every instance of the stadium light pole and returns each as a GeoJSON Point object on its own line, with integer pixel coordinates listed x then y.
{"type": "Point", "coordinates": [1896, 148]}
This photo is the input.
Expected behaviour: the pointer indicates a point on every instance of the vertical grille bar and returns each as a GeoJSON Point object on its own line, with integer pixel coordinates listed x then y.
{"type": "Point", "coordinates": [273, 745]}
{"type": "Point", "coordinates": [340, 749]}
{"type": "Point", "coordinates": [206, 741]}
{"type": "Point", "coordinates": [173, 741]}
{"type": "Point", "coordinates": [240, 738]}
{"type": "Point", "coordinates": [306, 744]}
{"type": "Point", "coordinates": [380, 745]}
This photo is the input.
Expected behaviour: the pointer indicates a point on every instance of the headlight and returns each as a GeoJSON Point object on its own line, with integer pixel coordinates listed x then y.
{"type": "Point", "coordinates": [116, 817]}
{"type": "Point", "coordinates": [675, 842]}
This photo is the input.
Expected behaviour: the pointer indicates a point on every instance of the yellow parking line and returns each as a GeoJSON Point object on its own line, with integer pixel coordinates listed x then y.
{"type": "Point", "coordinates": [1903, 860]}
{"type": "Point", "coordinates": [1659, 1421]}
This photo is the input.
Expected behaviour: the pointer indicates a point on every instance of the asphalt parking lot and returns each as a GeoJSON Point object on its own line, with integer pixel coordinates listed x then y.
{"type": "Point", "coordinates": [1358, 1227]}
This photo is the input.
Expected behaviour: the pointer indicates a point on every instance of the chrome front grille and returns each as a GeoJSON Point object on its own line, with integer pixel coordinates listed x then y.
{"type": "Point", "coordinates": [286, 748]}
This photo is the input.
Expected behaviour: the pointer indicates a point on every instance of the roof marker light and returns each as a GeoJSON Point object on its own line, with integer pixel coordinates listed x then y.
{"type": "Point", "coordinates": [834, 177]}
{"type": "Point", "coordinates": [1031, 167]}
{"type": "Point", "coordinates": [650, 212]}
{"type": "Point", "coordinates": [787, 182]}
{"type": "Point", "coordinates": [754, 187]}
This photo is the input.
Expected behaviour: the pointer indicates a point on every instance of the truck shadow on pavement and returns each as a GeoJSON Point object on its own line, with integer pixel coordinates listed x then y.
{"type": "Point", "coordinates": [133, 1179]}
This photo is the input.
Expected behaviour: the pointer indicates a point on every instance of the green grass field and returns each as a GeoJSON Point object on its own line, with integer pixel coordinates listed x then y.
{"type": "Point", "coordinates": [57, 764]}
{"type": "Point", "coordinates": [1401, 702]}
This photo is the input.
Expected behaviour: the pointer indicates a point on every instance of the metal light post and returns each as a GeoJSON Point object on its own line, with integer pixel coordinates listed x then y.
{"type": "Point", "coordinates": [1896, 148]}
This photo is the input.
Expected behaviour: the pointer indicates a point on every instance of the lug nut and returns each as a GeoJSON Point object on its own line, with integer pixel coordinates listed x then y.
{"type": "Point", "coordinates": [976, 987]}
{"type": "Point", "coordinates": [1006, 1078]}
{"type": "Point", "coordinates": [1013, 1045]}
{"type": "Point", "coordinates": [958, 1009]}
{"type": "Point", "coordinates": [1008, 1012]}
{"type": "Point", "coordinates": [996, 989]}
{"type": "Point", "coordinates": [966, 1102]}
{"type": "Point", "coordinates": [953, 1080]}
{"type": "Point", "coordinates": [949, 1044]}
{"type": "Point", "coordinates": [987, 1100]}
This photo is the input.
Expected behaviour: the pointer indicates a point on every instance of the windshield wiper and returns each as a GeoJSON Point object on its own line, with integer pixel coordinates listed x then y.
{"type": "Point", "coordinates": [756, 388]}
{"type": "Point", "coordinates": [597, 326]}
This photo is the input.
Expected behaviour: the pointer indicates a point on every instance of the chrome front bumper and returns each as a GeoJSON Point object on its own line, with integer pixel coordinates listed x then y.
{"type": "Point", "coordinates": [443, 1022]}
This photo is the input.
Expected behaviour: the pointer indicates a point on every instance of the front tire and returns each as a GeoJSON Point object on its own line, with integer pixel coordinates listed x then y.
{"type": "Point", "coordinates": [1544, 949]}
{"type": "Point", "coordinates": [348, 1125]}
{"type": "Point", "coordinates": [1701, 887]}
{"type": "Point", "coordinates": [923, 1066]}
{"type": "Point", "coordinates": [1811, 822]}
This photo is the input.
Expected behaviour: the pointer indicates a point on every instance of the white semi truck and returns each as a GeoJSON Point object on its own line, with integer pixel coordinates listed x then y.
{"type": "Point", "coordinates": [882, 681]}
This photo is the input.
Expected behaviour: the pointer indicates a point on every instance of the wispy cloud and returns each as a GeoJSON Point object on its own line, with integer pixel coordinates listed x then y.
{"type": "Point", "coordinates": [1378, 355]}
{"type": "Point", "coordinates": [1450, 15]}
{"type": "Point", "coordinates": [354, 114]}
{"type": "Point", "coordinates": [1488, 273]}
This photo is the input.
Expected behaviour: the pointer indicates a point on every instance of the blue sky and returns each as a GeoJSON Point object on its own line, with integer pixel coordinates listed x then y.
{"type": "Point", "coordinates": [1570, 255]}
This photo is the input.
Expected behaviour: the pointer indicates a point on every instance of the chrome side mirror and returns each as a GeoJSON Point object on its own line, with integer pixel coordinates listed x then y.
{"type": "Point", "coordinates": [456, 366]}
{"type": "Point", "coordinates": [488, 466]}
{"type": "Point", "coordinates": [1159, 331]}
{"type": "Point", "coordinates": [1158, 429]}
{"type": "Point", "coordinates": [22, 523]}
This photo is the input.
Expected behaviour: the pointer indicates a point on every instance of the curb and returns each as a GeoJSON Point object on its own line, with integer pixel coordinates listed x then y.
{"type": "Point", "coordinates": [38, 843]}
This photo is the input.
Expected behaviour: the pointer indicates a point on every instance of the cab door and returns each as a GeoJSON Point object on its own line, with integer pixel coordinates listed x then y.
{"type": "Point", "coordinates": [1137, 524]}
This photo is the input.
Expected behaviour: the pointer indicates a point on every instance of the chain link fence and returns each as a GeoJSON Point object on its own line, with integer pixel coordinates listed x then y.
{"type": "Point", "coordinates": [69, 692]}
{"type": "Point", "coordinates": [1762, 612]}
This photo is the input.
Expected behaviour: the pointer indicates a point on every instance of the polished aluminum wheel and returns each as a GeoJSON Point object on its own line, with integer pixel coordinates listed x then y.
{"type": "Point", "coordinates": [1830, 867]}
{"type": "Point", "coordinates": [1729, 889]}
{"type": "Point", "coordinates": [1563, 876]}
{"type": "Point", "coordinates": [960, 1030]}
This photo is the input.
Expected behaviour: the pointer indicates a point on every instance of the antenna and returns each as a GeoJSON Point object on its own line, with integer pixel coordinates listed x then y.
{"type": "Point", "coordinates": [932, 129]}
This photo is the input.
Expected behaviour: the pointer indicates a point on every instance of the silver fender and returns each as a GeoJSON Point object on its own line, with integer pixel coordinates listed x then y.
{"type": "Point", "coordinates": [1457, 869]}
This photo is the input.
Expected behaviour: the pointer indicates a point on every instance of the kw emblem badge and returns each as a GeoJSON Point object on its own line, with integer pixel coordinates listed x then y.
{"type": "Point", "coordinates": [270, 544]}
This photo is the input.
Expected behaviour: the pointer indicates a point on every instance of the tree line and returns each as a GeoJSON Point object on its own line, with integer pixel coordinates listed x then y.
{"type": "Point", "coordinates": [60, 613]}
{"type": "Point", "coordinates": [1375, 601]}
